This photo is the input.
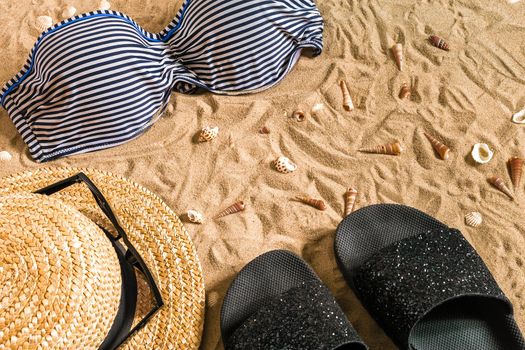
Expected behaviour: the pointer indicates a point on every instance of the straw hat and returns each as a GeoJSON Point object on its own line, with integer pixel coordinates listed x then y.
{"type": "Point", "coordinates": [60, 278]}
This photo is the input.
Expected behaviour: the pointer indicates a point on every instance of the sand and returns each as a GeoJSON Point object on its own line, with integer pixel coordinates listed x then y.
{"type": "Point", "coordinates": [462, 97]}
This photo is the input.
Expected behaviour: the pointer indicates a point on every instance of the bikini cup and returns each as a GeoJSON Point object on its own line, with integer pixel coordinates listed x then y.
{"type": "Point", "coordinates": [98, 79]}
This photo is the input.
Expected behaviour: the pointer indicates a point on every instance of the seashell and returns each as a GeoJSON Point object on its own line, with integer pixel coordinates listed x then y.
{"type": "Point", "coordinates": [316, 203]}
{"type": "Point", "coordinates": [170, 109]}
{"type": "Point", "coordinates": [500, 185]}
{"type": "Point", "coordinates": [397, 51]}
{"type": "Point", "coordinates": [208, 133]}
{"type": "Point", "coordinates": [235, 208]}
{"type": "Point", "coordinates": [512, 2]}
{"type": "Point", "coordinates": [473, 219]}
{"type": "Point", "coordinates": [5, 156]}
{"type": "Point", "coordinates": [347, 100]}
{"type": "Point", "coordinates": [389, 148]}
{"type": "Point", "coordinates": [438, 42]}
{"type": "Point", "coordinates": [195, 217]}
{"type": "Point", "coordinates": [350, 198]}
{"type": "Point", "coordinates": [299, 115]}
{"type": "Point", "coordinates": [284, 165]}
{"type": "Point", "coordinates": [519, 117]}
{"type": "Point", "coordinates": [264, 130]}
{"type": "Point", "coordinates": [516, 169]}
{"type": "Point", "coordinates": [69, 11]}
{"type": "Point", "coordinates": [481, 153]}
{"type": "Point", "coordinates": [405, 91]}
{"type": "Point", "coordinates": [440, 147]}
{"type": "Point", "coordinates": [43, 22]}
{"type": "Point", "coordinates": [104, 5]}
{"type": "Point", "coordinates": [318, 107]}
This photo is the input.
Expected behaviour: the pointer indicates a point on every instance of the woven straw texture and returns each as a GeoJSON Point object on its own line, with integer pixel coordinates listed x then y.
{"type": "Point", "coordinates": [159, 237]}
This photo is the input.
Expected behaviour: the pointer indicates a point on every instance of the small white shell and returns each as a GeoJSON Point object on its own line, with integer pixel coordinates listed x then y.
{"type": "Point", "coordinates": [195, 217]}
{"type": "Point", "coordinates": [170, 108]}
{"type": "Point", "coordinates": [43, 22]}
{"type": "Point", "coordinates": [104, 5]}
{"type": "Point", "coordinates": [481, 153]}
{"type": "Point", "coordinates": [208, 133]}
{"type": "Point", "coordinates": [69, 11]}
{"type": "Point", "coordinates": [519, 117]}
{"type": "Point", "coordinates": [318, 107]}
{"type": "Point", "coordinates": [284, 165]}
{"type": "Point", "coordinates": [5, 156]}
{"type": "Point", "coordinates": [473, 219]}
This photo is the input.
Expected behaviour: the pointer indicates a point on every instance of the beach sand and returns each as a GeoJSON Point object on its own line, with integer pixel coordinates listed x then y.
{"type": "Point", "coordinates": [462, 97]}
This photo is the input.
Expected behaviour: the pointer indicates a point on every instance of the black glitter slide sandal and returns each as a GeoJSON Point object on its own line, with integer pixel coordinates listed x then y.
{"type": "Point", "coordinates": [277, 302]}
{"type": "Point", "coordinates": [423, 282]}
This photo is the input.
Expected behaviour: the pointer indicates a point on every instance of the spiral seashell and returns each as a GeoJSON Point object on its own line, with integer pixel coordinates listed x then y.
{"type": "Point", "coordinates": [208, 133]}
{"type": "Point", "coordinates": [104, 5]}
{"type": "Point", "coordinates": [347, 100]}
{"type": "Point", "coordinates": [405, 91]}
{"type": "Point", "coordinates": [481, 153]}
{"type": "Point", "coordinates": [440, 147]}
{"type": "Point", "coordinates": [5, 156]}
{"type": "Point", "coordinates": [264, 130]}
{"type": "Point", "coordinates": [235, 208]}
{"type": "Point", "coordinates": [195, 217]}
{"type": "Point", "coordinates": [397, 51]}
{"type": "Point", "coordinates": [473, 219]}
{"type": "Point", "coordinates": [68, 11]}
{"type": "Point", "coordinates": [350, 198]}
{"type": "Point", "coordinates": [519, 117]}
{"type": "Point", "coordinates": [299, 115]}
{"type": "Point", "coordinates": [500, 185]}
{"type": "Point", "coordinates": [284, 165]}
{"type": "Point", "coordinates": [316, 203]}
{"type": "Point", "coordinates": [516, 170]}
{"type": "Point", "coordinates": [389, 148]}
{"type": "Point", "coordinates": [43, 22]}
{"type": "Point", "coordinates": [438, 42]}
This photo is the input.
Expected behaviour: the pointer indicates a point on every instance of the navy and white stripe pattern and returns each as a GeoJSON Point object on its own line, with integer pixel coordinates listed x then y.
{"type": "Point", "coordinates": [98, 79]}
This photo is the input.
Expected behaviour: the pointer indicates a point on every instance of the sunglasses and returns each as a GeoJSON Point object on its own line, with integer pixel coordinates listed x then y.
{"type": "Point", "coordinates": [130, 262]}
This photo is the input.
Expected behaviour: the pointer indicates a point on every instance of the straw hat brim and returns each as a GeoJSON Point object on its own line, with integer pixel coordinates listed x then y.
{"type": "Point", "coordinates": [159, 237]}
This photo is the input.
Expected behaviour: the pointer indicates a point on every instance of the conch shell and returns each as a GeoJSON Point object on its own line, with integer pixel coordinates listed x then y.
{"type": "Point", "coordinates": [440, 147]}
{"type": "Point", "coordinates": [389, 148]}
{"type": "Point", "coordinates": [519, 117]}
{"type": "Point", "coordinates": [235, 208]}
{"type": "Point", "coordinates": [208, 133]}
{"type": "Point", "coordinates": [438, 42]}
{"type": "Point", "coordinates": [350, 198]}
{"type": "Point", "coordinates": [516, 169]}
{"type": "Point", "coordinates": [195, 217]}
{"type": "Point", "coordinates": [347, 100]}
{"type": "Point", "coordinates": [405, 91]}
{"type": "Point", "coordinates": [316, 203]}
{"type": "Point", "coordinates": [104, 5]}
{"type": "Point", "coordinates": [500, 185]}
{"type": "Point", "coordinates": [284, 165]}
{"type": "Point", "coordinates": [69, 11]}
{"type": "Point", "coordinates": [299, 115]}
{"type": "Point", "coordinates": [5, 156]}
{"type": "Point", "coordinates": [473, 219]}
{"type": "Point", "coordinates": [43, 22]}
{"type": "Point", "coordinates": [481, 153]}
{"type": "Point", "coordinates": [397, 51]}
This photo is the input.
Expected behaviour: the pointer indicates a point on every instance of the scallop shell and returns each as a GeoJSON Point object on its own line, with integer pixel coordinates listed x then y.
{"type": "Point", "coordinates": [440, 147]}
{"type": "Point", "coordinates": [5, 156]}
{"type": "Point", "coordinates": [347, 100]}
{"type": "Point", "coordinates": [389, 148]}
{"type": "Point", "coordinates": [516, 170]}
{"type": "Point", "coordinates": [68, 12]}
{"type": "Point", "coordinates": [284, 165]}
{"type": "Point", "coordinates": [397, 51]}
{"type": "Point", "coordinates": [235, 208]}
{"type": "Point", "coordinates": [350, 198]}
{"type": "Point", "coordinates": [438, 42]}
{"type": "Point", "coordinates": [43, 22]}
{"type": "Point", "coordinates": [316, 203]}
{"type": "Point", "coordinates": [104, 5]}
{"type": "Point", "coordinates": [473, 219]}
{"type": "Point", "coordinates": [405, 91]}
{"type": "Point", "coordinates": [208, 133]}
{"type": "Point", "coordinates": [519, 117]}
{"type": "Point", "coordinates": [482, 153]}
{"type": "Point", "coordinates": [500, 185]}
{"type": "Point", "coordinates": [299, 115]}
{"type": "Point", "coordinates": [195, 217]}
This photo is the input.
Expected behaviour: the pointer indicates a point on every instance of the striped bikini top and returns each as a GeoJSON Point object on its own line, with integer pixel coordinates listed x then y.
{"type": "Point", "coordinates": [98, 79]}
